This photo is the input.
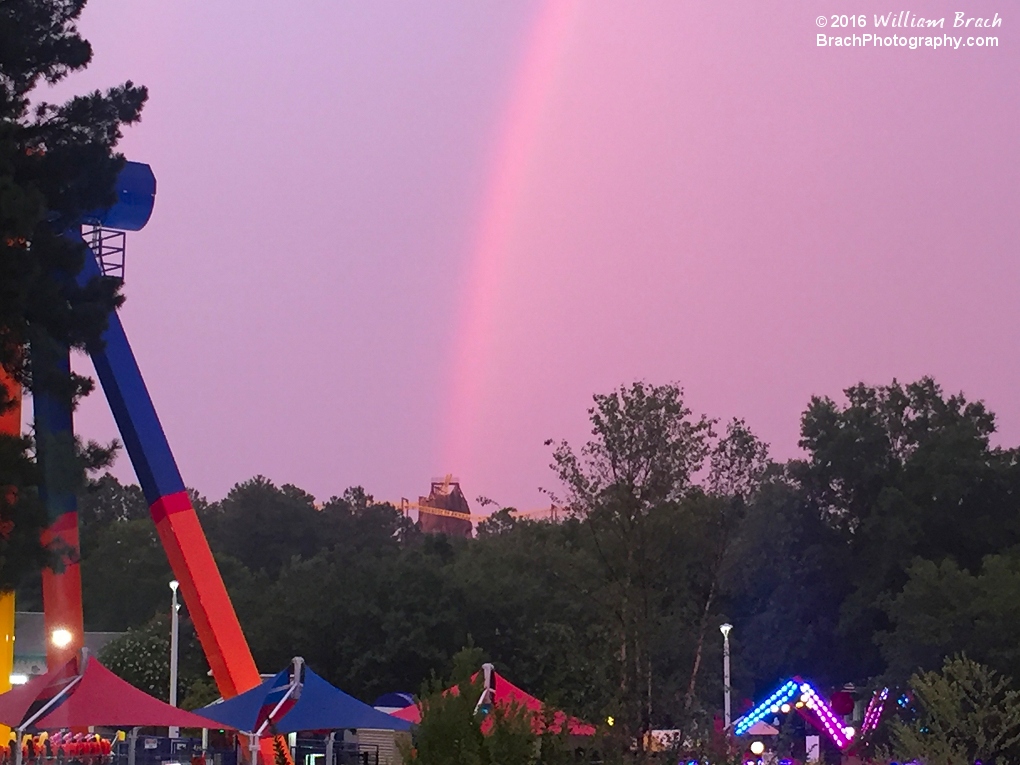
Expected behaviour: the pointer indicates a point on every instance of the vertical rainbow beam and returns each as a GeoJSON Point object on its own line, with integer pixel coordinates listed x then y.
{"type": "Point", "coordinates": [179, 530]}
{"type": "Point", "coordinates": [54, 432]}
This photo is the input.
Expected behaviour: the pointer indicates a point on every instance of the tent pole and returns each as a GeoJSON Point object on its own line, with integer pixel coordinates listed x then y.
{"type": "Point", "coordinates": [299, 662]}
{"type": "Point", "coordinates": [132, 743]}
{"type": "Point", "coordinates": [45, 708]}
{"type": "Point", "coordinates": [269, 718]}
{"type": "Point", "coordinates": [329, 747]}
{"type": "Point", "coordinates": [293, 690]}
{"type": "Point", "coordinates": [488, 688]}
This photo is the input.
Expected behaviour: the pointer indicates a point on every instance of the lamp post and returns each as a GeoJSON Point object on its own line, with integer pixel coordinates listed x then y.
{"type": "Point", "coordinates": [174, 731]}
{"type": "Point", "coordinates": [725, 630]}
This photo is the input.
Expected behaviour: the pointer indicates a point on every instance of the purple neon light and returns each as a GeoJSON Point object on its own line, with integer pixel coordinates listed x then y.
{"type": "Point", "coordinates": [830, 723]}
{"type": "Point", "coordinates": [874, 713]}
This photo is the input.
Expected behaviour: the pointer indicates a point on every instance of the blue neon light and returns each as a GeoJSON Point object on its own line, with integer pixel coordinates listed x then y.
{"type": "Point", "coordinates": [771, 705]}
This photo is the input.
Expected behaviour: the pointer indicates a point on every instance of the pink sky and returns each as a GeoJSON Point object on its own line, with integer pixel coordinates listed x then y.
{"type": "Point", "coordinates": [396, 240]}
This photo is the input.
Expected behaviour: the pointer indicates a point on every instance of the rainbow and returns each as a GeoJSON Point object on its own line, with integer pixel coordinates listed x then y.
{"type": "Point", "coordinates": [515, 146]}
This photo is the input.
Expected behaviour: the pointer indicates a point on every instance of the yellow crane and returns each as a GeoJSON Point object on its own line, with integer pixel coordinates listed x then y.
{"type": "Point", "coordinates": [404, 505]}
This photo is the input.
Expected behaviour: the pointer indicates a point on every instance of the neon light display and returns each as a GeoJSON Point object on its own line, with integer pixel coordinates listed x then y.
{"type": "Point", "coordinates": [840, 736]}
{"type": "Point", "coordinates": [821, 714]}
{"type": "Point", "coordinates": [874, 712]}
{"type": "Point", "coordinates": [771, 705]}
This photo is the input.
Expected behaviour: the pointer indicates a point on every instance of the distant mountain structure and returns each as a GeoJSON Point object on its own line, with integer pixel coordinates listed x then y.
{"type": "Point", "coordinates": [452, 516]}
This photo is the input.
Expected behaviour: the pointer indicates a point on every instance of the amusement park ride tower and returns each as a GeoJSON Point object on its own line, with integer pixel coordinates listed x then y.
{"type": "Point", "coordinates": [176, 522]}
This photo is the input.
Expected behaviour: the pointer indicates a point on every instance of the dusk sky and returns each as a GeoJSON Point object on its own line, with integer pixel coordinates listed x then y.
{"type": "Point", "coordinates": [394, 240]}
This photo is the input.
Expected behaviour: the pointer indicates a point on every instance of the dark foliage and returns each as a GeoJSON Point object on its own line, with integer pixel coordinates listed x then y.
{"type": "Point", "coordinates": [787, 553]}
{"type": "Point", "coordinates": [57, 161]}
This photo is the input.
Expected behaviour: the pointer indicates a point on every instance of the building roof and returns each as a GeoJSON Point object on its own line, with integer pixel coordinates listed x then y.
{"type": "Point", "coordinates": [446, 495]}
{"type": "Point", "coordinates": [30, 642]}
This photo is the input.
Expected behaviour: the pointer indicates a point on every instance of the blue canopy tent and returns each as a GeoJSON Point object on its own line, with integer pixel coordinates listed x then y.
{"type": "Point", "coordinates": [294, 700]}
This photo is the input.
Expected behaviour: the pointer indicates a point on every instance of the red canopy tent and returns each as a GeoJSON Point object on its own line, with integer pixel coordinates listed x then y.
{"type": "Point", "coordinates": [84, 692]}
{"type": "Point", "coordinates": [505, 693]}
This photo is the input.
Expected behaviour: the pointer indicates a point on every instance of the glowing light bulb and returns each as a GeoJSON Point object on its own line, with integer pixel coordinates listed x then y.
{"type": "Point", "coordinates": [61, 637]}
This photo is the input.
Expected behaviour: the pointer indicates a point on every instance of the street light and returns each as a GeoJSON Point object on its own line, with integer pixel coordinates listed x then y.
{"type": "Point", "coordinates": [725, 630]}
{"type": "Point", "coordinates": [174, 731]}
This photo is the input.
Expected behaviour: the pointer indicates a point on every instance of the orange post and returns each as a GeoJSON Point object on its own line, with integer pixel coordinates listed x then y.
{"type": "Point", "coordinates": [205, 595]}
{"type": "Point", "coordinates": [65, 621]}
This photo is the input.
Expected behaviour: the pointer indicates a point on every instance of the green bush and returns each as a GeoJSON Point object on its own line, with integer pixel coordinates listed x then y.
{"type": "Point", "coordinates": [964, 713]}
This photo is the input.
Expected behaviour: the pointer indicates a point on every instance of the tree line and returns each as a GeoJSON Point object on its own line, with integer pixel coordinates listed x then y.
{"type": "Point", "coordinates": [889, 545]}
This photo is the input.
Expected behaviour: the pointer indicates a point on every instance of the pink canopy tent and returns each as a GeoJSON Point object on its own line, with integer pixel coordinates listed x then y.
{"type": "Point", "coordinates": [84, 692]}
{"type": "Point", "coordinates": [505, 693]}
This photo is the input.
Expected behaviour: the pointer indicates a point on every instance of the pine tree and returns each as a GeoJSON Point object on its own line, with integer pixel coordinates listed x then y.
{"type": "Point", "coordinates": [56, 162]}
